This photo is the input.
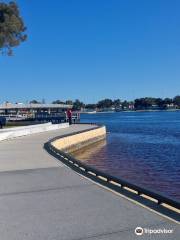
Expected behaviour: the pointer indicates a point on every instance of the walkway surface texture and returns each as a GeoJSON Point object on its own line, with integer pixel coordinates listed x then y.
{"type": "Point", "coordinates": [42, 199]}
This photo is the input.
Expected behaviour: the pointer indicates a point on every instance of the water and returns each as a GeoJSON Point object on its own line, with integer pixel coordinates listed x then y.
{"type": "Point", "coordinates": [142, 147]}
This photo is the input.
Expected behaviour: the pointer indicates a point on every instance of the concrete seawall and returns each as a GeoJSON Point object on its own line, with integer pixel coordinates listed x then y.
{"type": "Point", "coordinates": [76, 141]}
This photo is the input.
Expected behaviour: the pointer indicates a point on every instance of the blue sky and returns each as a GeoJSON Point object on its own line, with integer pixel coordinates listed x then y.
{"type": "Point", "coordinates": [93, 49]}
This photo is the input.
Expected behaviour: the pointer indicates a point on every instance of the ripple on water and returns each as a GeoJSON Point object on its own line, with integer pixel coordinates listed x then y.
{"type": "Point", "coordinates": [143, 148]}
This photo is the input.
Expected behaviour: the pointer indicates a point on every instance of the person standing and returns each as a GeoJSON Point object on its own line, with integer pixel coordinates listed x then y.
{"type": "Point", "coordinates": [69, 115]}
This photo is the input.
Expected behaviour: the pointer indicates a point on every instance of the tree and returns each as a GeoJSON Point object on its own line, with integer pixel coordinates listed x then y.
{"type": "Point", "coordinates": [77, 105]}
{"type": "Point", "coordinates": [125, 105]}
{"type": "Point", "coordinates": [144, 103]}
{"type": "Point", "coordinates": [34, 102]}
{"type": "Point", "coordinates": [91, 106]}
{"type": "Point", "coordinates": [117, 103]}
{"type": "Point", "coordinates": [58, 102]}
{"type": "Point", "coordinates": [106, 103]}
{"type": "Point", "coordinates": [176, 100]}
{"type": "Point", "coordinates": [160, 102]}
{"type": "Point", "coordinates": [168, 101]}
{"type": "Point", "coordinates": [69, 102]}
{"type": "Point", "coordinates": [12, 28]}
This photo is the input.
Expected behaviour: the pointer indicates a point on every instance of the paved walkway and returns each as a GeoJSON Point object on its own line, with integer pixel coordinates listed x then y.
{"type": "Point", "coordinates": [42, 199]}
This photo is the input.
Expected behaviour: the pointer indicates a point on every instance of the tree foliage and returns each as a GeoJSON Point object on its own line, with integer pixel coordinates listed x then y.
{"type": "Point", "coordinates": [176, 100]}
{"type": "Point", "coordinates": [69, 102]}
{"type": "Point", "coordinates": [105, 103]}
{"type": "Point", "coordinates": [34, 102]}
{"type": "Point", "coordinates": [12, 28]}
{"type": "Point", "coordinates": [57, 102]}
{"type": "Point", "coordinates": [91, 106]}
{"type": "Point", "coordinates": [117, 103]}
{"type": "Point", "coordinates": [77, 105]}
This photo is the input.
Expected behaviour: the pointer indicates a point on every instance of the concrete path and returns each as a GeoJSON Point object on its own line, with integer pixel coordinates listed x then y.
{"type": "Point", "coordinates": [42, 199]}
{"type": "Point", "coordinates": [28, 153]}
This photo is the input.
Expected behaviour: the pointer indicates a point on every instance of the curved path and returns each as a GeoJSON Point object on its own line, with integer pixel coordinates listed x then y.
{"type": "Point", "coordinates": [42, 199]}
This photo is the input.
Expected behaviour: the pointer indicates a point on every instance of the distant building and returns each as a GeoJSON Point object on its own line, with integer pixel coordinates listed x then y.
{"type": "Point", "coordinates": [155, 107]}
{"type": "Point", "coordinates": [131, 107]}
{"type": "Point", "coordinates": [32, 109]}
{"type": "Point", "coordinates": [171, 106]}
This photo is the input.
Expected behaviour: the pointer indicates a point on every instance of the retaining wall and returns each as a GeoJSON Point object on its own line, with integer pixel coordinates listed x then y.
{"type": "Point", "coordinates": [10, 133]}
{"type": "Point", "coordinates": [76, 141]}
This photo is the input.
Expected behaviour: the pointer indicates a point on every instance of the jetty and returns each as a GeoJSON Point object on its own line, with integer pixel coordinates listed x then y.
{"type": "Point", "coordinates": [41, 198]}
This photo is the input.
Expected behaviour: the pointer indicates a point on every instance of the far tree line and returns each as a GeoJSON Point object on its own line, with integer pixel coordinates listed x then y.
{"type": "Point", "coordinates": [137, 104]}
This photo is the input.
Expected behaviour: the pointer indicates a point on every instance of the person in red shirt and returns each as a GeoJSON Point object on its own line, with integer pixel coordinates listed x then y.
{"type": "Point", "coordinates": [69, 115]}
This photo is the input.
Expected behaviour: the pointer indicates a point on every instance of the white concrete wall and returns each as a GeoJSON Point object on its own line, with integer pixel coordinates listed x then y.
{"type": "Point", "coordinates": [10, 133]}
{"type": "Point", "coordinates": [24, 127]}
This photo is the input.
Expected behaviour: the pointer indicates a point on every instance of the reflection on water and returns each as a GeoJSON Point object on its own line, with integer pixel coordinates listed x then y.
{"type": "Point", "coordinates": [90, 151]}
{"type": "Point", "coordinates": [143, 148]}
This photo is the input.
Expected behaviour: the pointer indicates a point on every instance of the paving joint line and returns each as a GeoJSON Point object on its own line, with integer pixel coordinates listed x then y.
{"type": "Point", "coordinates": [46, 190]}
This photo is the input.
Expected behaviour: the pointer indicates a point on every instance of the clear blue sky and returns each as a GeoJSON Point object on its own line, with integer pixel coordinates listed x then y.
{"type": "Point", "coordinates": [92, 49]}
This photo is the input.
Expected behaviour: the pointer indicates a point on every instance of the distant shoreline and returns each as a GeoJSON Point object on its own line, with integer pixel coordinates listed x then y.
{"type": "Point", "coordinates": [168, 110]}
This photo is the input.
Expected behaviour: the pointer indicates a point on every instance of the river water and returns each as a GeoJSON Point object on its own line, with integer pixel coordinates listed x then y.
{"type": "Point", "coordinates": [142, 147]}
